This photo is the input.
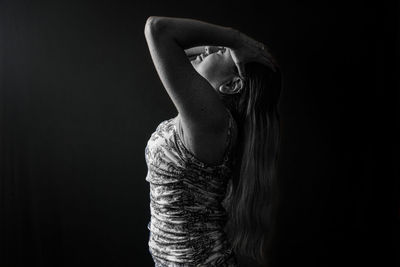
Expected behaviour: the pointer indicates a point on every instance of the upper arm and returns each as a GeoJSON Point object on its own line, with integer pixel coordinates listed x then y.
{"type": "Point", "coordinates": [197, 102]}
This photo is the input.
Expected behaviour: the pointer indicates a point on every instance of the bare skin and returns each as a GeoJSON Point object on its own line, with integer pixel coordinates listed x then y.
{"type": "Point", "coordinates": [194, 86]}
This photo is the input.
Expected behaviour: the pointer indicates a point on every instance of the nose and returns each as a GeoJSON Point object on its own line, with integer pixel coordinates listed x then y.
{"type": "Point", "coordinates": [211, 49]}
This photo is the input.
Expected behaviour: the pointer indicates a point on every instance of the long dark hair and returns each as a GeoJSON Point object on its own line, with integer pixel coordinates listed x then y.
{"type": "Point", "coordinates": [252, 188]}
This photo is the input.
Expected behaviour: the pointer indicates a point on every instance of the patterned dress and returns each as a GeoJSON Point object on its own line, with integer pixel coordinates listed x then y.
{"type": "Point", "coordinates": [187, 215]}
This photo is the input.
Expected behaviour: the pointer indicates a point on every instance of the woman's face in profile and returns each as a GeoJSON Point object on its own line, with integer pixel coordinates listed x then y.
{"type": "Point", "coordinates": [216, 66]}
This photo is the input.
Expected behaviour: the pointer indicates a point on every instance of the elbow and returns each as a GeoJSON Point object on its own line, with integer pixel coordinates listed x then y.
{"type": "Point", "coordinates": [150, 23]}
{"type": "Point", "coordinates": [154, 26]}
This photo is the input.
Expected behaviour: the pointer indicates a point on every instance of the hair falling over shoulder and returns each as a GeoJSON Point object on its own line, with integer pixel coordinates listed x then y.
{"type": "Point", "coordinates": [251, 196]}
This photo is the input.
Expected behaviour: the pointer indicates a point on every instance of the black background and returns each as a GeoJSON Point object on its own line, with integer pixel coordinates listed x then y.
{"type": "Point", "coordinates": [79, 98]}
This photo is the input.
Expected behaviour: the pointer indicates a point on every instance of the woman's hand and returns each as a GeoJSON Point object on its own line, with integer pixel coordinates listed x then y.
{"type": "Point", "coordinates": [250, 50]}
{"type": "Point", "coordinates": [194, 51]}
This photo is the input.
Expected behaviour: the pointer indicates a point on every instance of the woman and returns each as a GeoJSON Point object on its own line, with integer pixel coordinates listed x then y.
{"type": "Point", "coordinates": [212, 166]}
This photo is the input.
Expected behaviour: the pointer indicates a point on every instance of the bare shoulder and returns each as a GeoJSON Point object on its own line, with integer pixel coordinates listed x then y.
{"type": "Point", "coordinates": [207, 144]}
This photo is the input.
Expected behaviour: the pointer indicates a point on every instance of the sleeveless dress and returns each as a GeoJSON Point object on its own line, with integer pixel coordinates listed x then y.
{"type": "Point", "coordinates": [187, 215]}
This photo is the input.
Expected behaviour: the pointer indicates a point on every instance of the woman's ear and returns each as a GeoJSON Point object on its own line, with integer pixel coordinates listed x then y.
{"type": "Point", "coordinates": [231, 87]}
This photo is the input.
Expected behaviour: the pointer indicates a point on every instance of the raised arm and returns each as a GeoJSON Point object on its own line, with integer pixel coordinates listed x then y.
{"type": "Point", "coordinates": [190, 33]}
{"type": "Point", "coordinates": [196, 101]}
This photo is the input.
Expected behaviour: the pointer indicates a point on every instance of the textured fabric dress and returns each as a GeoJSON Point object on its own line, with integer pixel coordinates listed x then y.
{"type": "Point", "coordinates": [186, 195]}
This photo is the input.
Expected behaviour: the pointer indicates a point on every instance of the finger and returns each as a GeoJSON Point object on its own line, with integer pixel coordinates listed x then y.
{"type": "Point", "coordinates": [266, 56]}
{"type": "Point", "coordinates": [272, 66]}
{"type": "Point", "coordinates": [268, 63]}
{"type": "Point", "coordinates": [264, 49]}
{"type": "Point", "coordinates": [270, 58]}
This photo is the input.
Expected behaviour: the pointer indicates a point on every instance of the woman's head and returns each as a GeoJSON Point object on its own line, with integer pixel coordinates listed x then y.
{"type": "Point", "coordinates": [260, 90]}
{"type": "Point", "coordinates": [217, 67]}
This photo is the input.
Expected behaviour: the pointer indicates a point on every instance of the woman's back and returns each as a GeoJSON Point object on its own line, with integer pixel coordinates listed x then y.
{"type": "Point", "coordinates": [186, 194]}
